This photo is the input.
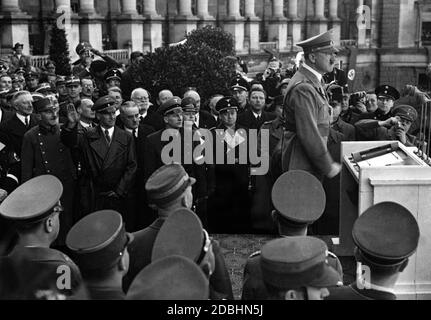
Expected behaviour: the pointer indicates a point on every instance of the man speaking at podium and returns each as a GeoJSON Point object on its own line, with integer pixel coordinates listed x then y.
{"type": "Point", "coordinates": [308, 113]}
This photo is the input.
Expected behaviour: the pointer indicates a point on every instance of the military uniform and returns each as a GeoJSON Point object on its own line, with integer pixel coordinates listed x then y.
{"type": "Point", "coordinates": [171, 278]}
{"type": "Point", "coordinates": [371, 130]}
{"type": "Point", "coordinates": [165, 184]}
{"type": "Point", "coordinates": [230, 204]}
{"type": "Point", "coordinates": [44, 153]}
{"type": "Point", "coordinates": [299, 200]}
{"type": "Point", "coordinates": [292, 263]}
{"type": "Point", "coordinates": [98, 242]}
{"type": "Point", "coordinates": [33, 202]}
{"type": "Point", "coordinates": [240, 84]}
{"type": "Point", "coordinates": [306, 111]}
{"type": "Point", "coordinates": [70, 81]}
{"type": "Point", "coordinates": [196, 246]}
{"type": "Point", "coordinates": [383, 91]}
{"type": "Point", "coordinates": [385, 235]}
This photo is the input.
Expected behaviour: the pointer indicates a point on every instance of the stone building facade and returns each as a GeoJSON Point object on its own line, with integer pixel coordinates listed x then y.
{"type": "Point", "coordinates": [385, 41]}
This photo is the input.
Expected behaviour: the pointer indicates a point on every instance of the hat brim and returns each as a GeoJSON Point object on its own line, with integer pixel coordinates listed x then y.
{"type": "Point", "coordinates": [238, 88]}
{"type": "Point", "coordinates": [328, 50]}
{"type": "Point", "coordinates": [329, 278]}
{"type": "Point", "coordinates": [380, 96]}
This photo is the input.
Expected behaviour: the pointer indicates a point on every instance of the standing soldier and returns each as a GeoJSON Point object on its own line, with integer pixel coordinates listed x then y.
{"type": "Point", "coordinates": [299, 201]}
{"type": "Point", "coordinates": [307, 111]}
{"type": "Point", "coordinates": [109, 157]}
{"type": "Point", "coordinates": [386, 235]}
{"type": "Point", "coordinates": [182, 234]}
{"type": "Point", "coordinates": [230, 203]}
{"type": "Point", "coordinates": [34, 208]}
{"type": "Point", "coordinates": [239, 88]}
{"type": "Point", "coordinates": [44, 153]}
{"type": "Point", "coordinates": [99, 244]}
{"type": "Point", "coordinates": [169, 189]}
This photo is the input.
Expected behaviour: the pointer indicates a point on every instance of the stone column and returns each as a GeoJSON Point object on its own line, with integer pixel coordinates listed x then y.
{"type": "Point", "coordinates": [14, 25]}
{"type": "Point", "coordinates": [294, 22]}
{"type": "Point", "coordinates": [234, 23]}
{"type": "Point", "coordinates": [71, 24]}
{"type": "Point", "coordinates": [277, 30]}
{"type": "Point", "coordinates": [152, 26]}
{"type": "Point", "coordinates": [375, 30]}
{"type": "Point", "coordinates": [319, 23]}
{"type": "Point", "coordinates": [202, 12]}
{"type": "Point", "coordinates": [90, 24]}
{"type": "Point", "coordinates": [130, 31]}
{"type": "Point", "coordinates": [362, 32]}
{"type": "Point", "coordinates": [184, 22]}
{"type": "Point", "coordinates": [335, 22]}
{"type": "Point", "coordinates": [252, 22]}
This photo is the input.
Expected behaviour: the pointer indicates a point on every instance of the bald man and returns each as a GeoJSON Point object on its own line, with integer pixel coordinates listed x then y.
{"type": "Point", "coordinates": [204, 119]}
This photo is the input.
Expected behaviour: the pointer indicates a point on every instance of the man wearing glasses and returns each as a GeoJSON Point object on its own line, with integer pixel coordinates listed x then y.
{"type": "Point", "coordinates": [307, 111]}
{"type": "Point", "coordinates": [44, 153]}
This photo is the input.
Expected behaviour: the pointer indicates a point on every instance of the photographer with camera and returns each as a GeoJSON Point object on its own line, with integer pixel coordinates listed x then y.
{"type": "Point", "coordinates": [271, 79]}
{"type": "Point", "coordinates": [394, 128]}
{"type": "Point", "coordinates": [81, 67]}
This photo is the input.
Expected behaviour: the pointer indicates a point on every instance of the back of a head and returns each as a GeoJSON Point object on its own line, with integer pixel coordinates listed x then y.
{"type": "Point", "coordinates": [170, 278]}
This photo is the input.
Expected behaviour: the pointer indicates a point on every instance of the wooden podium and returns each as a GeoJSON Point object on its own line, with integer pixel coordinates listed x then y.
{"type": "Point", "coordinates": [407, 182]}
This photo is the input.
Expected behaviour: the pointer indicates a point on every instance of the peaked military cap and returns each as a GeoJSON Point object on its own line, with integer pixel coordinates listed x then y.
{"type": "Point", "coordinates": [181, 234]}
{"type": "Point", "coordinates": [113, 74]}
{"type": "Point", "coordinates": [82, 47]}
{"type": "Point", "coordinates": [20, 70]}
{"type": "Point", "coordinates": [323, 42]}
{"type": "Point", "coordinates": [34, 200]}
{"type": "Point", "coordinates": [386, 234]}
{"type": "Point", "coordinates": [189, 105]}
{"type": "Point", "coordinates": [168, 183]}
{"type": "Point", "coordinates": [36, 97]}
{"type": "Point", "coordinates": [31, 75]}
{"type": "Point", "coordinates": [43, 104]}
{"type": "Point", "coordinates": [173, 104]}
{"type": "Point", "coordinates": [61, 80]}
{"type": "Point", "coordinates": [226, 103]}
{"type": "Point", "coordinates": [295, 262]}
{"type": "Point", "coordinates": [386, 91]}
{"type": "Point", "coordinates": [73, 81]}
{"type": "Point", "coordinates": [103, 103]}
{"type": "Point", "coordinates": [171, 278]}
{"type": "Point", "coordinates": [299, 198]}
{"type": "Point", "coordinates": [44, 87]}
{"type": "Point", "coordinates": [239, 83]}
{"type": "Point", "coordinates": [98, 240]}
{"type": "Point", "coordinates": [405, 112]}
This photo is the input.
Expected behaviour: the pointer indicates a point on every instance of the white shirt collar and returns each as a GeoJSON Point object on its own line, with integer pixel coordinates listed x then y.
{"type": "Point", "coordinates": [257, 114]}
{"type": "Point", "coordinates": [84, 124]}
{"type": "Point", "coordinates": [22, 118]}
{"type": "Point", "coordinates": [110, 131]}
{"type": "Point", "coordinates": [131, 131]}
{"type": "Point", "coordinates": [317, 74]}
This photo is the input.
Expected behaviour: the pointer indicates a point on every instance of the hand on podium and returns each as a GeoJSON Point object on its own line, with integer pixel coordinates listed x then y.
{"type": "Point", "coordinates": [335, 170]}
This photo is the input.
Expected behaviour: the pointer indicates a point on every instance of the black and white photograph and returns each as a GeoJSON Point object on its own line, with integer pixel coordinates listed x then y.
{"type": "Point", "coordinates": [222, 153]}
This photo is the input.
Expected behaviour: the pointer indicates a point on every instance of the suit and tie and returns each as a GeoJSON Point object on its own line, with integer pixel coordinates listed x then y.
{"type": "Point", "coordinates": [109, 166]}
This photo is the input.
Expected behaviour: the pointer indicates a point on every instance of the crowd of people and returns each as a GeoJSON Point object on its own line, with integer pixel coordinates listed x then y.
{"type": "Point", "coordinates": [83, 171]}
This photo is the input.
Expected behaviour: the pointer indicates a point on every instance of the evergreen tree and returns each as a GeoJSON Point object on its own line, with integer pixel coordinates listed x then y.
{"type": "Point", "coordinates": [59, 51]}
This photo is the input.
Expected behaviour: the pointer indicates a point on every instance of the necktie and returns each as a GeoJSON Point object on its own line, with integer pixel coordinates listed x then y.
{"type": "Point", "coordinates": [108, 138]}
{"type": "Point", "coordinates": [26, 122]}
{"type": "Point", "coordinates": [135, 133]}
